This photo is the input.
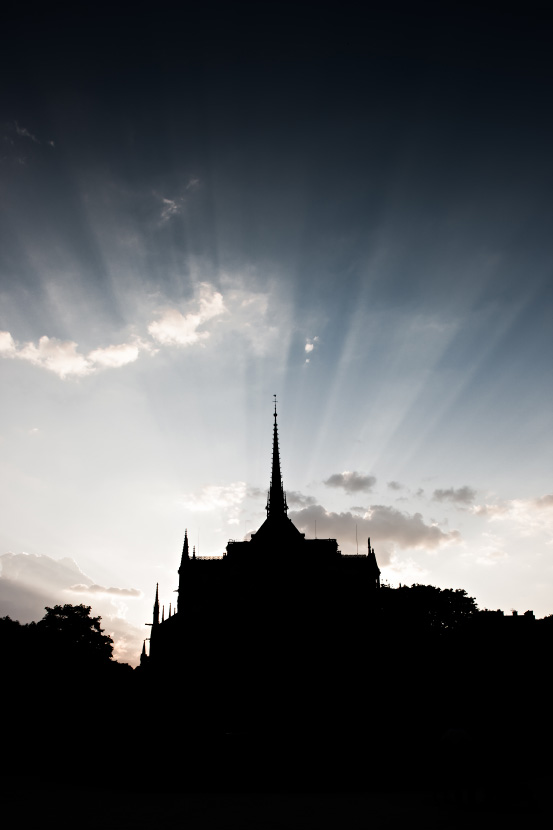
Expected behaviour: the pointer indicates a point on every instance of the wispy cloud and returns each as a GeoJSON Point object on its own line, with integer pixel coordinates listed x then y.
{"type": "Point", "coordinates": [99, 589]}
{"type": "Point", "coordinates": [227, 498]}
{"type": "Point", "coordinates": [351, 482]}
{"type": "Point", "coordinates": [171, 207]}
{"type": "Point", "coordinates": [25, 133]}
{"type": "Point", "coordinates": [531, 516]}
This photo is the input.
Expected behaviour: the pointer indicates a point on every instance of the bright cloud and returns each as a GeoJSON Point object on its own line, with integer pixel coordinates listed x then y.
{"type": "Point", "coordinates": [113, 357]}
{"type": "Point", "coordinates": [530, 515]}
{"type": "Point", "coordinates": [351, 482]}
{"type": "Point", "coordinates": [491, 551]}
{"type": "Point", "coordinates": [243, 313]}
{"type": "Point", "coordinates": [63, 359]}
{"type": "Point", "coordinates": [7, 344]}
{"type": "Point", "coordinates": [58, 356]}
{"type": "Point", "coordinates": [175, 328]}
{"type": "Point", "coordinates": [309, 346]}
{"type": "Point", "coordinates": [218, 497]}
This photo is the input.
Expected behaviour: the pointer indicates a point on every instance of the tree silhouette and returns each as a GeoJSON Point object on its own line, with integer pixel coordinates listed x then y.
{"type": "Point", "coordinates": [75, 635]}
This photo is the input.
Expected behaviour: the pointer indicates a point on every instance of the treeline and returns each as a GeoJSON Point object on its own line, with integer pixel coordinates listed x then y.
{"type": "Point", "coordinates": [350, 696]}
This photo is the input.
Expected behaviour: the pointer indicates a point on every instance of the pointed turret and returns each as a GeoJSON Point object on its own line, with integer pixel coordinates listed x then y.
{"type": "Point", "coordinates": [156, 607]}
{"type": "Point", "coordinates": [143, 656]}
{"type": "Point", "coordinates": [163, 614]}
{"type": "Point", "coordinates": [276, 501]}
{"type": "Point", "coordinates": [185, 555]}
{"type": "Point", "coordinates": [185, 558]}
{"type": "Point", "coordinates": [373, 564]}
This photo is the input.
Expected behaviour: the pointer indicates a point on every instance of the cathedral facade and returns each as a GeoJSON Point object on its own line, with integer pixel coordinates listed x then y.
{"type": "Point", "coordinates": [277, 611]}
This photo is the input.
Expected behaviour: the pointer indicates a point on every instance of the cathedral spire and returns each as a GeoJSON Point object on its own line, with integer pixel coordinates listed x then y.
{"type": "Point", "coordinates": [276, 502]}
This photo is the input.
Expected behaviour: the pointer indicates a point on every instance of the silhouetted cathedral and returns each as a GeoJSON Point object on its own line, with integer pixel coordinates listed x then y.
{"type": "Point", "coordinates": [277, 610]}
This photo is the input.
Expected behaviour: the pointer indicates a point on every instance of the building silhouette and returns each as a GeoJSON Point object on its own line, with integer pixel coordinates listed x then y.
{"type": "Point", "coordinates": [277, 612]}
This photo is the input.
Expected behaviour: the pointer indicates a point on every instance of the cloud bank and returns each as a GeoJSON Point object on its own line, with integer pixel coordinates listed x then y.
{"type": "Point", "coordinates": [380, 522]}
{"type": "Point", "coordinates": [242, 313]}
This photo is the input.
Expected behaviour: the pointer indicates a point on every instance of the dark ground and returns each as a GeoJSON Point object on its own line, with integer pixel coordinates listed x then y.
{"type": "Point", "coordinates": [41, 803]}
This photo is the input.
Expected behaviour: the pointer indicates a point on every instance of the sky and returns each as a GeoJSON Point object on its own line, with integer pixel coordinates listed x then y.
{"type": "Point", "coordinates": [205, 205]}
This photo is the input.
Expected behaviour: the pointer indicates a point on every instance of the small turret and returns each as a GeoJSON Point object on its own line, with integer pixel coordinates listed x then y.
{"type": "Point", "coordinates": [143, 656]}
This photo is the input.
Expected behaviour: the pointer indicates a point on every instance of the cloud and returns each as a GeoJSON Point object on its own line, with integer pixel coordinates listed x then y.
{"type": "Point", "coordinates": [24, 133]}
{"type": "Point", "coordinates": [99, 589]}
{"type": "Point", "coordinates": [351, 482]}
{"type": "Point", "coordinates": [309, 346]}
{"type": "Point", "coordinates": [380, 523]}
{"type": "Point", "coordinates": [113, 357]}
{"type": "Point", "coordinates": [463, 495]}
{"type": "Point", "coordinates": [41, 572]}
{"type": "Point", "coordinates": [30, 582]}
{"type": "Point", "coordinates": [58, 356]}
{"type": "Point", "coordinates": [544, 502]}
{"type": "Point", "coordinates": [7, 344]}
{"type": "Point", "coordinates": [530, 516]}
{"type": "Point", "coordinates": [171, 207]}
{"type": "Point", "coordinates": [490, 553]}
{"type": "Point", "coordinates": [296, 499]}
{"type": "Point", "coordinates": [175, 328]}
{"type": "Point", "coordinates": [218, 497]}
{"type": "Point", "coordinates": [63, 359]}
{"type": "Point", "coordinates": [395, 485]}
{"type": "Point", "coordinates": [127, 638]}
{"type": "Point", "coordinates": [243, 314]}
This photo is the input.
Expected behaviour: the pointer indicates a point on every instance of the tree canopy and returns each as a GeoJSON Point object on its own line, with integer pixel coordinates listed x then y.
{"type": "Point", "coordinates": [75, 634]}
